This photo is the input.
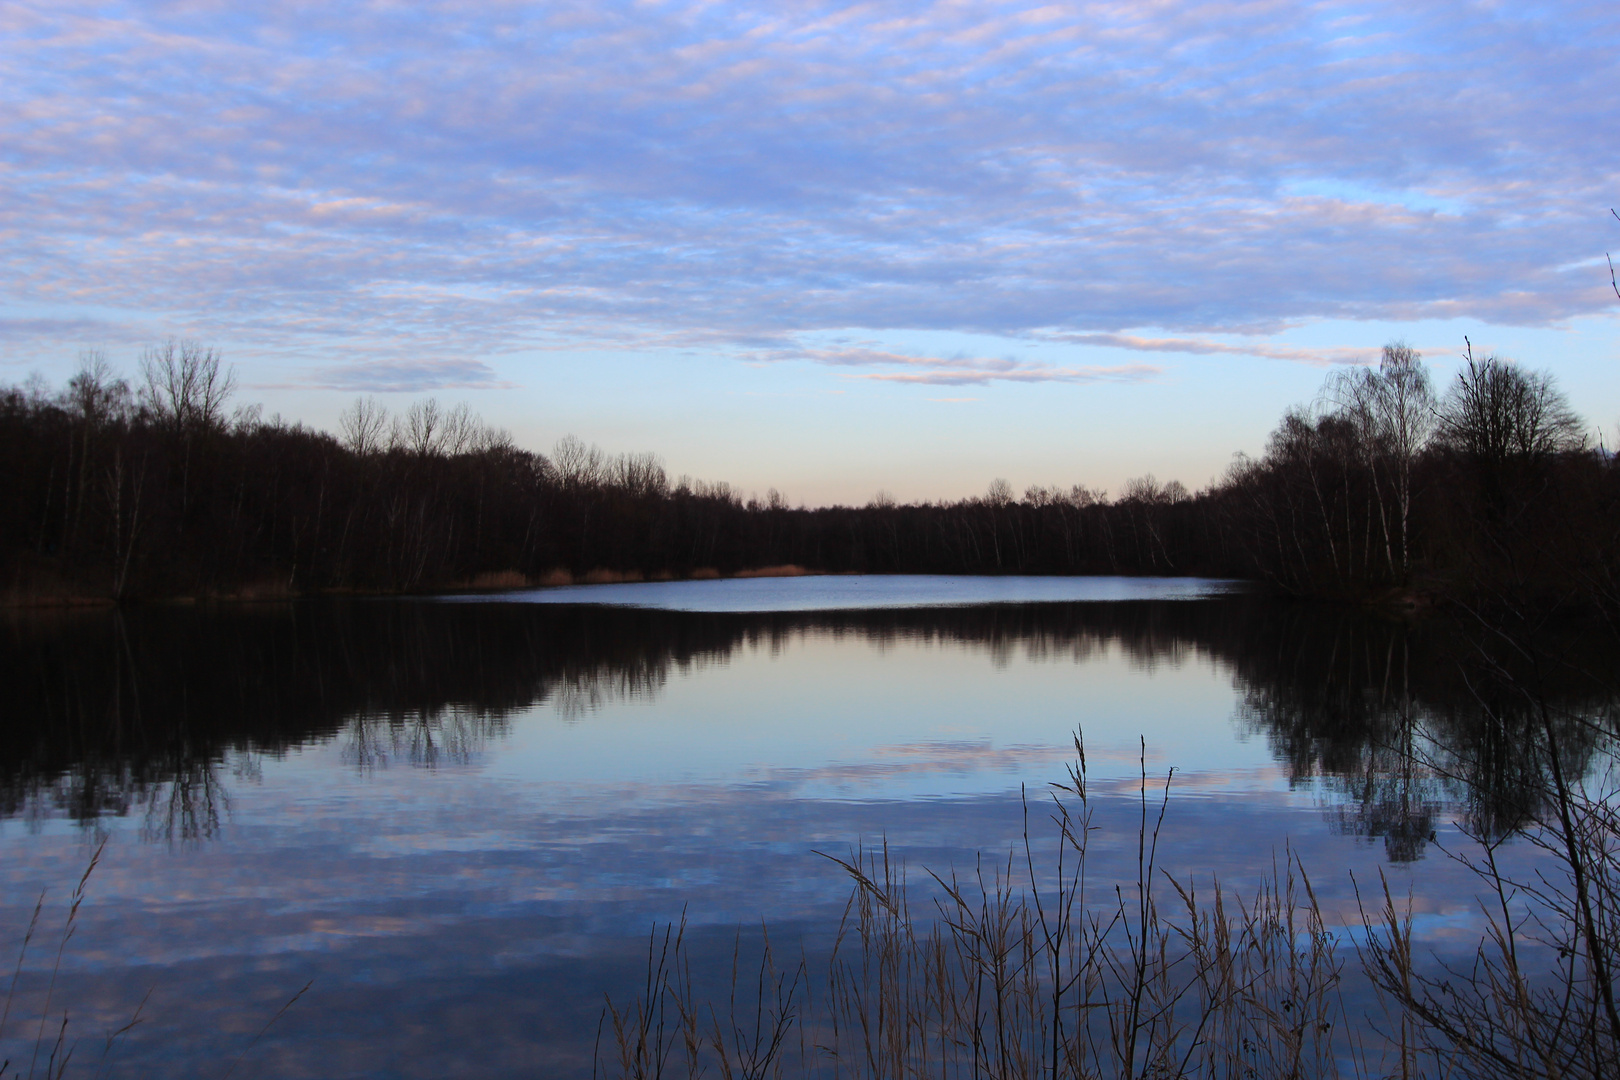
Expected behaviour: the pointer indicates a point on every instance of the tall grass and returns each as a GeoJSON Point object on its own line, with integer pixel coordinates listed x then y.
{"type": "Point", "coordinates": [1027, 968]}
{"type": "Point", "coordinates": [1021, 970]}
{"type": "Point", "coordinates": [1537, 1001]}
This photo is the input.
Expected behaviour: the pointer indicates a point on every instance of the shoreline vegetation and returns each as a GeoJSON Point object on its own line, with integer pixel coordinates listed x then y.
{"type": "Point", "coordinates": [1380, 491]}
{"type": "Point", "coordinates": [1023, 967]}
{"type": "Point", "coordinates": [496, 581]}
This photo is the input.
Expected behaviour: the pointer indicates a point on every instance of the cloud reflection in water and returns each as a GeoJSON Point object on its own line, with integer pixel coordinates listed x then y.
{"type": "Point", "coordinates": [462, 819]}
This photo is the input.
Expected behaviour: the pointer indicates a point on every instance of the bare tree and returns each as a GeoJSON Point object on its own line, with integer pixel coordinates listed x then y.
{"type": "Point", "coordinates": [640, 474]}
{"type": "Point", "coordinates": [459, 433]}
{"type": "Point", "coordinates": [418, 431]}
{"type": "Point", "coordinates": [578, 465]}
{"type": "Point", "coordinates": [1496, 412]}
{"type": "Point", "coordinates": [1081, 496]}
{"type": "Point", "coordinates": [881, 501]}
{"type": "Point", "coordinates": [246, 418]}
{"type": "Point", "coordinates": [96, 397]}
{"type": "Point", "coordinates": [1406, 420]}
{"type": "Point", "coordinates": [493, 440]}
{"type": "Point", "coordinates": [362, 425]}
{"type": "Point", "coordinates": [95, 394]}
{"type": "Point", "coordinates": [185, 386]}
{"type": "Point", "coordinates": [1613, 284]}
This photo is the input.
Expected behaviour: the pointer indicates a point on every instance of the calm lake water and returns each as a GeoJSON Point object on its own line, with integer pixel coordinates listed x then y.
{"type": "Point", "coordinates": [458, 819]}
{"type": "Point", "coordinates": [869, 592]}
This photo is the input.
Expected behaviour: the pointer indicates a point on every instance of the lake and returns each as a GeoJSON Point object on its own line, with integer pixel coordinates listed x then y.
{"type": "Point", "coordinates": [458, 819]}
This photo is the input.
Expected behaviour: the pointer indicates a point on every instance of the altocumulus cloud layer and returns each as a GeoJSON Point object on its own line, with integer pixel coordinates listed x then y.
{"type": "Point", "coordinates": [392, 191]}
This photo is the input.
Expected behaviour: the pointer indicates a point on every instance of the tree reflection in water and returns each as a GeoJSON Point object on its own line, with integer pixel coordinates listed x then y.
{"type": "Point", "coordinates": [425, 738]}
{"type": "Point", "coordinates": [147, 709]}
{"type": "Point", "coordinates": [187, 808]}
{"type": "Point", "coordinates": [1403, 721]}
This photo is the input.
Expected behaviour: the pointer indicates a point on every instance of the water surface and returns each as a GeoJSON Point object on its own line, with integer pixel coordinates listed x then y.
{"type": "Point", "coordinates": [869, 591]}
{"type": "Point", "coordinates": [461, 819]}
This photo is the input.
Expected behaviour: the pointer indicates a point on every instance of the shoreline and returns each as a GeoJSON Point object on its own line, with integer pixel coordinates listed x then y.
{"type": "Point", "coordinates": [492, 583]}
{"type": "Point", "coordinates": [1401, 604]}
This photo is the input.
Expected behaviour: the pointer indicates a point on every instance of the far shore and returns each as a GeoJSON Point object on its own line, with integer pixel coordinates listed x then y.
{"type": "Point", "coordinates": [55, 595]}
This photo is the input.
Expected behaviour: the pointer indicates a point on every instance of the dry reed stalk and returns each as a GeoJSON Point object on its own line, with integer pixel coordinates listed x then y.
{"type": "Point", "coordinates": [747, 1044]}
{"type": "Point", "coordinates": [1016, 974]}
{"type": "Point", "coordinates": [1533, 1001]}
{"type": "Point", "coordinates": [61, 1050]}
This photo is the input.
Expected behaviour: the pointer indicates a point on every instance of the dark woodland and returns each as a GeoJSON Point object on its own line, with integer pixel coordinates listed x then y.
{"type": "Point", "coordinates": [1384, 487]}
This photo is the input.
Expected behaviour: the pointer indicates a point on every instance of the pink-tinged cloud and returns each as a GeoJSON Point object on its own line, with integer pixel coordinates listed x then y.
{"type": "Point", "coordinates": [1199, 347]}
{"type": "Point", "coordinates": [456, 177]}
{"type": "Point", "coordinates": [968, 376]}
{"type": "Point", "coordinates": [958, 371]}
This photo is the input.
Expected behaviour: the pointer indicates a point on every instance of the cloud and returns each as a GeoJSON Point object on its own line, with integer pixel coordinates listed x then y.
{"type": "Point", "coordinates": [405, 376]}
{"type": "Point", "coordinates": [956, 371]}
{"type": "Point", "coordinates": [73, 329]}
{"type": "Point", "coordinates": [451, 178]}
{"type": "Point", "coordinates": [1200, 347]}
{"type": "Point", "coordinates": [1039, 373]}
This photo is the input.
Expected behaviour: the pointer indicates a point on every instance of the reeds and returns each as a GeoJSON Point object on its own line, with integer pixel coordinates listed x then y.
{"type": "Point", "coordinates": [1024, 971]}
{"type": "Point", "coordinates": [50, 1031]}
{"type": "Point", "coordinates": [1028, 970]}
{"type": "Point", "coordinates": [1537, 1000]}
{"type": "Point", "coordinates": [667, 1031]}
{"type": "Point", "coordinates": [54, 1044]}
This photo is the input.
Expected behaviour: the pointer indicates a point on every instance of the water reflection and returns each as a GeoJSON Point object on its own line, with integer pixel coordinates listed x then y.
{"type": "Point", "coordinates": [158, 711]}
{"type": "Point", "coordinates": [460, 819]}
{"type": "Point", "coordinates": [1404, 721]}
{"type": "Point", "coordinates": [425, 738]}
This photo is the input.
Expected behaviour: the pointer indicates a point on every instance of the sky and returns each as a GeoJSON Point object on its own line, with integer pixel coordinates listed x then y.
{"type": "Point", "coordinates": [828, 248]}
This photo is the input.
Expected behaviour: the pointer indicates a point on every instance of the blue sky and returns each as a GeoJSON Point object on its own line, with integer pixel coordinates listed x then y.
{"type": "Point", "coordinates": [831, 248]}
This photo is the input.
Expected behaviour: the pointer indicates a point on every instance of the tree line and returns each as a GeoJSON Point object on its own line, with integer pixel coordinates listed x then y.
{"type": "Point", "coordinates": [160, 488]}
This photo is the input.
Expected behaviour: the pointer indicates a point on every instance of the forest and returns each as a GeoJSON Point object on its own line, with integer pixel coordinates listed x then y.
{"type": "Point", "coordinates": [1383, 488]}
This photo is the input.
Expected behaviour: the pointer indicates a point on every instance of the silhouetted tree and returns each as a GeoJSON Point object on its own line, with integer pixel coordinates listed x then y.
{"type": "Point", "coordinates": [1496, 413]}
